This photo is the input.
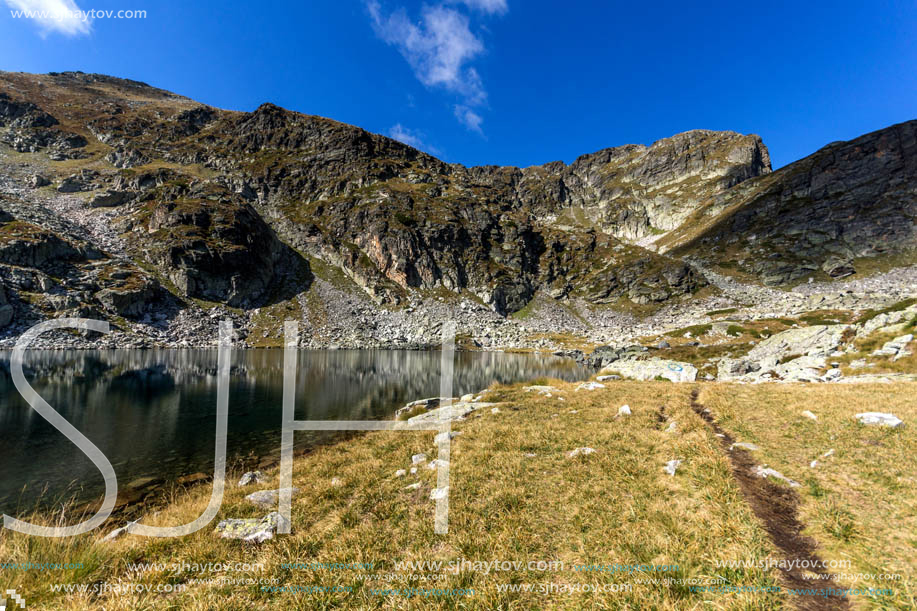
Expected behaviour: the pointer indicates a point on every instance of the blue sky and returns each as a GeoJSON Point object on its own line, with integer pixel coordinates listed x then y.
{"type": "Point", "coordinates": [507, 81]}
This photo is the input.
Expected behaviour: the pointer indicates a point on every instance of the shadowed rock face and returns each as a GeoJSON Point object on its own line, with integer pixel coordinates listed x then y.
{"type": "Point", "coordinates": [224, 205]}
{"type": "Point", "coordinates": [848, 201]}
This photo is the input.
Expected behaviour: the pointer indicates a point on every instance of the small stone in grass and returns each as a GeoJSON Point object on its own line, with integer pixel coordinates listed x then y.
{"type": "Point", "coordinates": [495, 410]}
{"type": "Point", "coordinates": [745, 446]}
{"type": "Point", "coordinates": [439, 493]}
{"type": "Point", "coordinates": [768, 472]}
{"type": "Point", "coordinates": [400, 473]}
{"type": "Point", "coordinates": [809, 415]}
{"type": "Point", "coordinates": [580, 452]}
{"type": "Point", "coordinates": [671, 466]}
{"type": "Point", "coordinates": [624, 410]}
{"type": "Point", "coordinates": [418, 458]}
{"type": "Point", "coordinates": [414, 486]}
{"type": "Point", "coordinates": [252, 477]}
{"type": "Point", "coordinates": [336, 481]}
{"type": "Point", "coordinates": [441, 438]}
{"type": "Point", "coordinates": [879, 418]}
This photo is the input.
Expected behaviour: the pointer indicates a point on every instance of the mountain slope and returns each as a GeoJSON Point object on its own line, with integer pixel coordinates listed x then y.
{"type": "Point", "coordinates": [848, 203]}
{"type": "Point", "coordinates": [272, 214]}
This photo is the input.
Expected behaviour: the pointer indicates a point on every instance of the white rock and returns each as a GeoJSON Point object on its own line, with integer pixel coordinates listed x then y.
{"type": "Point", "coordinates": [671, 466]}
{"type": "Point", "coordinates": [439, 493]}
{"type": "Point", "coordinates": [418, 458]}
{"type": "Point", "coordinates": [674, 371]}
{"type": "Point", "coordinates": [336, 481]}
{"type": "Point", "coordinates": [813, 464]}
{"type": "Point", "coordinates": [763, 472]}
{"type": "Point", "coordinates": [672, 428]}
{"type": "Point", "coordinates": [467, 398]}
{"type": "Point", "coordinates": [251, 530]}
{"type": "Point", "coordinates": [745, 446]}
{"type": "Point", "coordinates": [413, 486]}
{"type": "Point", "coordinates": [573, 411]}
{"type": "Point", "coordinates": [607, 378]}
{"type": "Point", "coordinates": [116, 533]}
{"type": "Point", "coordinates": [624, 410]}
{"type": "Point", "coordinates": [436, 462]}
{"type": "Point", "coordinates": [832, 374]}
{"type": "Point", "coordinates": [267, 498]}
{"type": "Point", "coordinates": [879, 418]}
{"type": "Point", "coordinates": [590, 386]}
{"type": "Point", "coordinates": [441, 438]}
{"type": "Point", "coordinates": [895, 347]}
{"type": "Point", "coordinates": [809, 415]}
{"type": "Point", "coordinates": [541, 390]}
{"type": "Point", "coordinates": [413, 470]}
{"type": "Point", "coordinates": [828, 453]}
{"type": "Point", "coordinates": [252, 477]}
{"type": "Point", "coordinates": [401, 473]}
{"type": "Point", "coordinates": [495, 410]}
{"type": "Point", "coordinates": [580, 452]}
{"type": "Point", "coordinates": [530, 455]}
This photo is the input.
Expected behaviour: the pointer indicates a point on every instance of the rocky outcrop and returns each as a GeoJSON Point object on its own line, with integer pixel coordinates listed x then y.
{"type": "Point", "coordinates": [212, 245]}
{"type": "Point", "coordinates": [818, 216]}
{"type": "Point", "coordinates": [653, 369]}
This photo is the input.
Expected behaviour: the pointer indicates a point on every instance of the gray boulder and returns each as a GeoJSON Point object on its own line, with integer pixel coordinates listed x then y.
{"type": "Point", "coordinates": [818, 341]}
{"type": "Point", "coordinates": [651, 369]}
{"type": "Point", "coordinates": [110, 199]}
{"type": "Point", "coordinates": [895, 348]}
{"type": "Point", "coordinates": [267, 498]}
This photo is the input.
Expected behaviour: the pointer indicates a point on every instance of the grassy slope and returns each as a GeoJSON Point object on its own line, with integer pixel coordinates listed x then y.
{"type": "Point", "coordinates": [615, 506]}
{"type": "Point", "coordinates": [859, 502]}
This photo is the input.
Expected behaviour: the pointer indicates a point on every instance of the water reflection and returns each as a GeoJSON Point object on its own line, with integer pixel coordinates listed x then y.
{"type": "Point", "coordinates": [152, 412]}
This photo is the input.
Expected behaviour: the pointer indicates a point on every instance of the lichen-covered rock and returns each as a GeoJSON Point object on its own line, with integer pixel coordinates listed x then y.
{"type": "Point", "coordinates": [251, 530]}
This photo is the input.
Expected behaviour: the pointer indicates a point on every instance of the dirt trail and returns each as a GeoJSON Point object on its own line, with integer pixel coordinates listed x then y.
{"type": "Point", "coordinates": [776, 506]}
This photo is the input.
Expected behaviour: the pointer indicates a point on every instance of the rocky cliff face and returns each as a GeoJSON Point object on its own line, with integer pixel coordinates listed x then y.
{"type": "Point", "coordinates": [848, 205]}
{"type": "Point", "coordinates": [197, 206]}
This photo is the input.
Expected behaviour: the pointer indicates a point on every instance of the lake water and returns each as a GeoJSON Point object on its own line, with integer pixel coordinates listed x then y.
{"type": "Point", "coordinates": [153, 412]}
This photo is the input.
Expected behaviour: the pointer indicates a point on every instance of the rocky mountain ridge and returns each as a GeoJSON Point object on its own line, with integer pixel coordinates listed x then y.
{"type": "Point", "coordinates": [133, 204]}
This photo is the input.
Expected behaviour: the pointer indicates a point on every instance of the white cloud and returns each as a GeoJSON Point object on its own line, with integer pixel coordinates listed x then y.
{"type": "Point", "coordinates": [62, 16]}
{"type": "Point", "coordinates": [405, 135]}
{"type": "Point", "coordinates": [411, 138]}
{"type": "Point", "coordinates": [438, 48]}
{"type": "Point", "coordinates": [496, 7]}
{"type": "Point", "coordinates": [469, 118]}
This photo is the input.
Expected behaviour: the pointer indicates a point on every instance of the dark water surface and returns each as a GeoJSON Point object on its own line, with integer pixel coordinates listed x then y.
{"type": "Point", "coordinates": [153, 412]}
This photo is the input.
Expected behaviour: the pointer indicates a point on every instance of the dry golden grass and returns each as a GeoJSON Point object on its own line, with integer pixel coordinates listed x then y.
{"type": "Point", "coordinates": [858, 503]}
{"type": "Point", "coordinates": [614, 506]}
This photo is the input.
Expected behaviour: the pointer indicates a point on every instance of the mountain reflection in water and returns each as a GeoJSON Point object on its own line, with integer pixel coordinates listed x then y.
{"type": "Point", "coordinates": [153, 412]}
